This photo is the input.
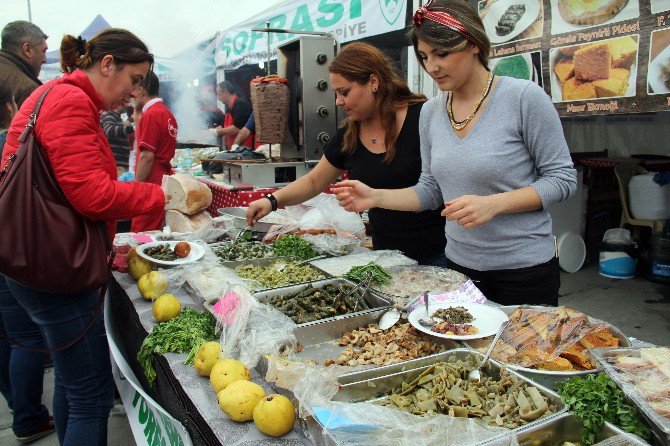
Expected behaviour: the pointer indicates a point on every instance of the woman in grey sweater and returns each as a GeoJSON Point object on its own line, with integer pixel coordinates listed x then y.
{"type": "Point", "coordinates": [493, 153]}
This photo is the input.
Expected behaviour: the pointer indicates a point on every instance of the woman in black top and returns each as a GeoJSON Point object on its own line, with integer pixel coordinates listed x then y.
{"type": "Point", "coordinates": [378, 144]}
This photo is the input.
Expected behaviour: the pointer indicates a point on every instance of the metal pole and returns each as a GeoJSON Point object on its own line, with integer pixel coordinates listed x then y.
{"type": "Point", "coordinates": [267, 70]}
{"type": "Point", "coordinates": [30, 15]}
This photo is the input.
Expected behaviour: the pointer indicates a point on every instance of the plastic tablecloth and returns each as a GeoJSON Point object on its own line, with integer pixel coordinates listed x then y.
{"type": "Point", "coordinates": [187, 396]}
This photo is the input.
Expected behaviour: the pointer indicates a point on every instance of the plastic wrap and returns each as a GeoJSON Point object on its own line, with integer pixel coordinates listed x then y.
{"type": "Point", "coordinates": [323, 223]}
{"type": "Point", "coordinates": [250, 329]}
{"type": "Point", "coordinates": [367, 423]}
{"type": "Point", "coordinates": [205, 277]}
{"type": "Point", "coordinates": [643, 374]}
{"type": "Point", "coordinates": [550, 339]}
{"type": "Point", "coordinates": [338, 266]}
{"type": "Point", "coordinates": [622, 440]}
{"type": "Point", "coordinates": [443, 285]}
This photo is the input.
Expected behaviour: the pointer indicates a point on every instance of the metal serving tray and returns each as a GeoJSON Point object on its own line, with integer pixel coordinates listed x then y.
{"type": "Point", "coordinates": [550, 378]}
{"type": "Point", "coordinates": [660, 425]}
{"type": "Point", "coordinates": [374, 384]}
{"type": "Point", "coordinates": [319, 339]}
{"type": "Point", "coordinates": [239, 215]}
{"type": "Point", "coordinates": [566, 427]}
{"type": "Point", "coordinates": [268, 261]}
{"type": "Point", "coordinates": [374, 299]}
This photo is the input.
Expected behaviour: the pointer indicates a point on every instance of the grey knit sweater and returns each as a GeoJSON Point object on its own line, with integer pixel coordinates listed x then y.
{"type": "Point", "coordinates": [517, 141]}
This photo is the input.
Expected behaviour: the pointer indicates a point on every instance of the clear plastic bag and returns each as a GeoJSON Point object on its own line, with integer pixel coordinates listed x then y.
{"type": "Point", "coordinates": [366, 423]}
{"type": "Point", "coordinates": [250, 329]}
{"type": "Point", "coordinates": [338, 266]}
{"type": "Point", "coordinates": [323, 223]}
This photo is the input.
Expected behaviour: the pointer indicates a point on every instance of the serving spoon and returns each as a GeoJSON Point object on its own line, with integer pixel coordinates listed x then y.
{"type": "Point", "coordinates": [430, 322]}
{"type": "Point", "coordinates": [475, 375]}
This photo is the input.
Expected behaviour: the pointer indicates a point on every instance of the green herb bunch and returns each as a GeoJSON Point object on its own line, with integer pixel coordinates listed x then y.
{"type": "Point", "coordinates": [292, 245]}
{"type": "Point", "coordinates": [596, 399]}
{"type": "Point", "coordinates": [379, 275]}
{"type": "Point", "coordinates": [184, 333]}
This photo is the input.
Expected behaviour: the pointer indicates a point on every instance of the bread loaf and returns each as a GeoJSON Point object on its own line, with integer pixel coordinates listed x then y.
{"type": "Point", "coordinates": [180, 222]}
{"type": "Point", "coordinates": [186, 194]}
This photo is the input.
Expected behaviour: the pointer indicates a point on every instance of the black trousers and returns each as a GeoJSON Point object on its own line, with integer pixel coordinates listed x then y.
{"type": "Point", "coordinates": [535, 285]}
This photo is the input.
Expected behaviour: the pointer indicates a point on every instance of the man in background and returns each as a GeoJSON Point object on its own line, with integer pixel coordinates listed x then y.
{"type": "Point", "coordinates": [156, 145]}
{"type": "Point", "coordinates": [23, 50]}
{"type": "Point", "coordinates": [238, 114]}
{"type": "Point", "coordinates": [118, 134]}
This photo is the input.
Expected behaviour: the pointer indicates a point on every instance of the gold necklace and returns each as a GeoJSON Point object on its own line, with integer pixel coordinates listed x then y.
{"type": "Point", "coordinates": [460, 125]}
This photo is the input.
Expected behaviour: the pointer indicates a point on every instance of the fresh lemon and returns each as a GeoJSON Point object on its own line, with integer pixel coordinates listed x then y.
{"type": "Point", "coordinates": [239, 399]}
{"type": "Point", "coordinates": [166, 307]}
{"type": "Point", "coordinates": [207, 355]}
{"type": "Point", "coordinates": [226, 371]}
{"type": "Point", "coordinates": [274, 415]}
{"type": "Point", "coordinates": [137, 266]}
{"type": "Point", "coordinates": [152, 285]}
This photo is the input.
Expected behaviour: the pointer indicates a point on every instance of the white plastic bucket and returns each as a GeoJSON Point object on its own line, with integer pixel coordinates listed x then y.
{"type": "Point", "coordinates": [618, 254]}
{"type": "Point", "coordinates": [648, 200]}
{"type": "Point", "coordinates": [571, 252]}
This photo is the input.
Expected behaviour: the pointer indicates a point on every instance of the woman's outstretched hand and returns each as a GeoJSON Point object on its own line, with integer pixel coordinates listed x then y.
{"type": "Point", "coordinates": [470, 211]}
{"type": "Point", "coordinates": [257, 210]}
{"type": "Point", "coordinates": [354, 196]}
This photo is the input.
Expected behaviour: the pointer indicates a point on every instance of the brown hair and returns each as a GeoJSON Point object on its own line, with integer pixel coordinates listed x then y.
{"type": "Point", "coordinates": [124, 46]}
{"type": "Point", "coordinates": [439, 36]}
{"type": "Point", "coordinates": [356, 62]}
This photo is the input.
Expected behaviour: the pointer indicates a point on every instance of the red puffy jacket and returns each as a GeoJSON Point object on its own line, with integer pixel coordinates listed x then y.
{"type": "Point", "coordinates": [68, 129]}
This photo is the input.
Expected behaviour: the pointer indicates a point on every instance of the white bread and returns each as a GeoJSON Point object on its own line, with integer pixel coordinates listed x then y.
{"type": "Point", "coordinates": [180, 222]}
{"type": "Point", "coordinates": [186, 194]}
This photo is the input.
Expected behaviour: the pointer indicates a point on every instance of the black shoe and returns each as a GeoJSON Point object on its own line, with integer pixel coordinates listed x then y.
{"type": "Point", "coordinates": [48, 427]}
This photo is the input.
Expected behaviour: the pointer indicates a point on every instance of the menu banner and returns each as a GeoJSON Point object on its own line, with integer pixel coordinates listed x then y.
{"type": "Point", "coordinates": [590, 56]}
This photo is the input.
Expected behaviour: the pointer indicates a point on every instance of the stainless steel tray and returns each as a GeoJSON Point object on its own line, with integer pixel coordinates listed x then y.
{"type": "Point", "coordinates": [374, 384]}
{"type": "Point", "coordinates": [550, 378]}
{"type": "Point", "coordinates": [319, 339]}
{"type": "Point", "coordinates": [660, 425]}
{"type": "Point", "coordinates": [238, 214]}
{"type": "Point", "coordinates": [566, 427]}
{"type": "Point", "coordinates": [374, 299]}
{"type": "Point", "coordinates": [268, 261]}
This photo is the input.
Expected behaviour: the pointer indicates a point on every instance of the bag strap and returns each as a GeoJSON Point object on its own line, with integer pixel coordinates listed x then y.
{"type": "Point", "coordinates": [30, 125]}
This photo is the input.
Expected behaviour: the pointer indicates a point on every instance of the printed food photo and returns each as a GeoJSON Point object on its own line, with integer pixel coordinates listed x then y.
{"type": "Point", "coordinates": [602, 69]}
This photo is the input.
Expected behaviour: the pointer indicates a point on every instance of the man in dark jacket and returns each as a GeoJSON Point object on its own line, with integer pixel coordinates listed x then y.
{"type": "Point", "coordinates": [22, 52]}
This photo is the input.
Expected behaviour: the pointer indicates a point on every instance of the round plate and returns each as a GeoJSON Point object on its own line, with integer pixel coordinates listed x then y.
{"type": "Point", "coordinates": [197, 251]}
{"type": "Point", "coordinates": [497, 10]}
{"type": "Point", "coordinates": [487, 319]}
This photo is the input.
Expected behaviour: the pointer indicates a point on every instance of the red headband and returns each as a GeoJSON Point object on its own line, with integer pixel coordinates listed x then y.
{"type": "Point", "coordinates": [443, 18]}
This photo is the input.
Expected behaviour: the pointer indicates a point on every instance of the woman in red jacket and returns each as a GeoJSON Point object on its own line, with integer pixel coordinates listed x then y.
{"type": "Point", "coordinates": [101, 74]}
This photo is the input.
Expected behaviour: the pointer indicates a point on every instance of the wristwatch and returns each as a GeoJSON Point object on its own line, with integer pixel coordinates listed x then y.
{"type": "Point", "coordinates": [273, 201]}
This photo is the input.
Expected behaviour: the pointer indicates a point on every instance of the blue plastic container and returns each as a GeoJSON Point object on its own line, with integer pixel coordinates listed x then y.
{"type": "Point", "coordinates": [618, 255]}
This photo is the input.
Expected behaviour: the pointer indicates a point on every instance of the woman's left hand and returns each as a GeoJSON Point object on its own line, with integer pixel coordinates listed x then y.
{"type": "Point", "coordinates": [470, 211]}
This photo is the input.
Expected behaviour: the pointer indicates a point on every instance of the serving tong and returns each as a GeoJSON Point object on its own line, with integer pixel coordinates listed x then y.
{"type": "Point", "coordinates": [337, 301]}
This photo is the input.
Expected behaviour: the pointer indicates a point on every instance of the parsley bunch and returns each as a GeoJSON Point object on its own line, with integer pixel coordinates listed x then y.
{"type": "Point", "coordinates": [596, 399]}
{"type": "Point", "coordinates": [184, 333]}
{"type": "Point", "coordinates": [292, 245]}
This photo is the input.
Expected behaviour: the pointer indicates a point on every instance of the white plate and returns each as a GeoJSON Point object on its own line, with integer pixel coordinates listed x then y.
{"type": "Point", "coordinates": [487, 319]}
{"type": "Point", "coordinates": [197, 251]}
{"type": "Point", "coordinates": [497, 10]}
{"type": "Point", "coordinates": [655, 74]}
